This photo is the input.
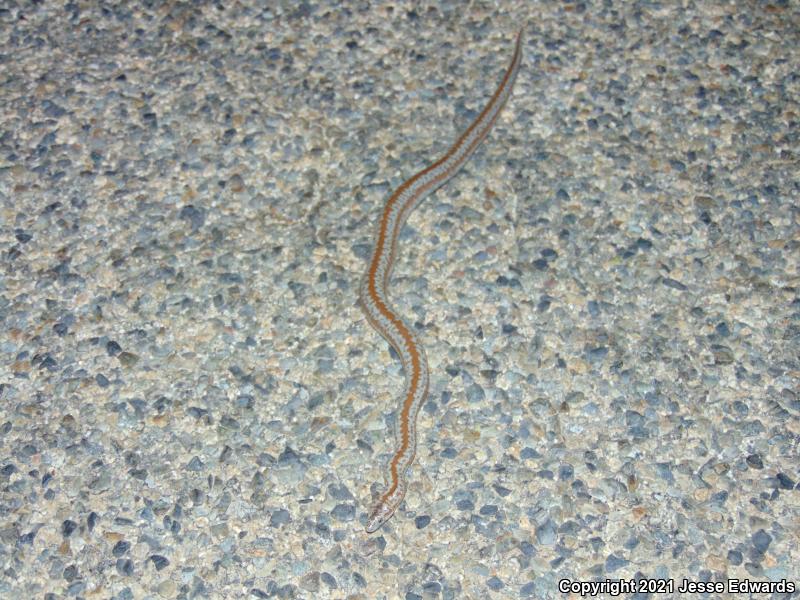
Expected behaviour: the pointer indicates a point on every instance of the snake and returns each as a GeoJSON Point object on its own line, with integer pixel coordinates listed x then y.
{"type": "Point", "coordinates": [374, 297]}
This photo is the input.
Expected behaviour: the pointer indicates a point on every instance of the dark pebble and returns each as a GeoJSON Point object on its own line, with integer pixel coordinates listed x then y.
{"type": "Point", "coordinates": [288, 457]}
{"type": "Point", "coordinates": [22, 237]}
{"type": "Point", "coordinates": [529, 453]}
{"type": "Point", "coordinates": [672, 283]}
{"type": "Point", "coordinates": [546, 533]}
{"type": "Point", "coordinates": [527, 548]}
{"type": "Point", "coordinates": [124, 566]}
{"type": "Point", "coordinates": [422, 521]}
{"type": "Point", "coordinates": [195, 464]}
{"type": "Point", "coordinates": [614, 562]}
{"type": "Point", "coordinates": [754, 569]}
{"type": "Point", "coordinates": [719, 498]}
{"type": "Point", "coordinates": [48, 363]}
{"type": "Point", "coordinates": [735, 557]}
{"type": "Point", "coordinates": [501, 490]}
{"type": "Point", "coordinates": [120, 548]}
{"type": "Point", "coordinates": [597, 354]}
{"type": "Point", "coordinates": [67, 527]}
{"type": "Point", "coordinates": [76, 588]}
{"type": "Point", "coordinates": [761, 541]}
{"type": "Point", "coordinates": [344, 512]}
{"type": "Point", "coordinates": [128, 359]}
{"type": "Point", "coordinates": [540, 264]}
{"type": "Point", "coordinates": [475, 393]}
{"type": "Point", "coordinates": [665, 472]}
{"type": "Point", "coordinates": [159, 562]}
{"type": "Point", "coordinates": [340, 492]}
{"type": "Point", "coordinates": [544, 304]}
{"type": "Point", "coordinates": [26, 538]}
{"type": "Point", "coordinates": [508, 329]}
{"type": "Point", "coordinates": [432, 589]}
{"type": "Point", "coordinates": [140, 474]}
{"type": "Point", "coordinates": [466, 505]}
{"type": "Point", "coordinates": [70, 573]}
{"type": "Point", "coordinates": [279, 517]}
{"type": "Point", "coordinates": [328, 580]}
{"type": "Point", "coordinates": [495, 584]}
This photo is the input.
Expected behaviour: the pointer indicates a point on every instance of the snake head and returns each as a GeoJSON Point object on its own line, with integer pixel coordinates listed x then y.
{"type": "Point", "coordinates": [380, 513]}
{"type": "Point", "coordinates": [384, 508]}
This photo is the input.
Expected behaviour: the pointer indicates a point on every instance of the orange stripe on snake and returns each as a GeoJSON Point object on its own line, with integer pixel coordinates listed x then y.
{"type": "Point", "coordinates": [374, 298]}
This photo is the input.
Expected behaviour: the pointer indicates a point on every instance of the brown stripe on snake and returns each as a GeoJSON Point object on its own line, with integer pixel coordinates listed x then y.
{"type": "Point", "coordinates": [374, 298]}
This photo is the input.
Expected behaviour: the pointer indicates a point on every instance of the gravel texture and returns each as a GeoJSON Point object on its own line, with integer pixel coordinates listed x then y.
{"type": "Point", "coordinates": [192, 404]}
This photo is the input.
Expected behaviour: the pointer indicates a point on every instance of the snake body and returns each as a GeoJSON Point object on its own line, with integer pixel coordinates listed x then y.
{"type": "Point", "coordinates": [374, 298]}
